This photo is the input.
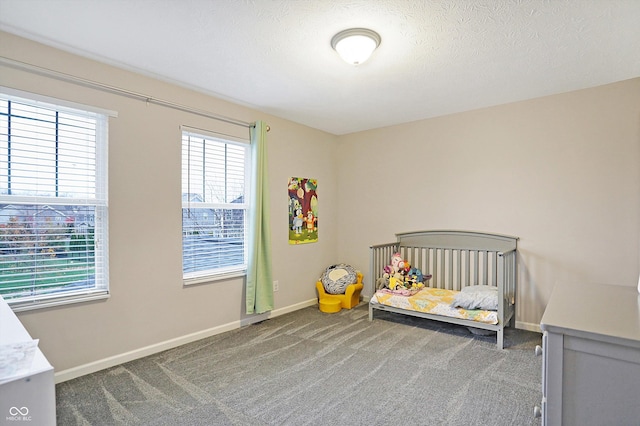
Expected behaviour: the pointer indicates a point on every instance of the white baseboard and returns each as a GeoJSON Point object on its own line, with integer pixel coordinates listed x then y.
{"type": "Point", "coordinates": [92, 367]}
{"type": "Point", "coordinates": [529, 326]}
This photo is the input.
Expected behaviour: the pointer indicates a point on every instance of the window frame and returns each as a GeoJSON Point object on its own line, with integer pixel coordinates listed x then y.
{"type": "Point", "coordinates": [222, 273]}
{"type": "Point", "coordinates": [99, 201]}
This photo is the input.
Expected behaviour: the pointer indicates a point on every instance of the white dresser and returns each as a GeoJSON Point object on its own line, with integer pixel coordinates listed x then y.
{"type": "Point", "coordinates": [28, 398]}
{"type": "Point", "coordinates": [591, 356]}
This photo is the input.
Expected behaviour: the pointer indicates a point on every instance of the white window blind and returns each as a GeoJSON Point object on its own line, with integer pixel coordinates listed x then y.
{"type": "Point", "coordinates": [214, 207]}
{"type": "Point", "coordinates": [53, 203]}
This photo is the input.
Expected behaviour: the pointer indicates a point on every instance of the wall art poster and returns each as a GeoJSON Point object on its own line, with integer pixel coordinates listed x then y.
{"type": "Point", "coordinates": [303, 210]}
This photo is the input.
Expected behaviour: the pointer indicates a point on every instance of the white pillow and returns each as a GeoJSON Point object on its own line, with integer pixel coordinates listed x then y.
{"type": "Point", "coordinates": [477, 297]}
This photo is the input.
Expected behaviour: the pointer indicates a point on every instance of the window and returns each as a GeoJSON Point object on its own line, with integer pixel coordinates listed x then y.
{"type": "Point", "coordinates": [53, 202]}
{"type": "Point", "coordinates": [214, 207]}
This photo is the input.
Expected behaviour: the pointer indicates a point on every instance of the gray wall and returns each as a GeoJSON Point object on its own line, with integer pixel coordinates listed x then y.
{"type": "Point", "coordinates": [561, 172]}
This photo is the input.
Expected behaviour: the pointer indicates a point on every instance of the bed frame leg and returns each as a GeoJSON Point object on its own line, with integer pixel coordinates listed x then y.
{"type": "Point", "coordinates": [370, 313]}
{"type": "Point", "coordinates": [500, 338]}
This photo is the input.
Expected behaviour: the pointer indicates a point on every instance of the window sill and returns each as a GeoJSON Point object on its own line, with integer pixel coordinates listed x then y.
{"type": "Point", "coordinates": [212, 278]}
{"type": "Point", "coordinates": [41, 303]}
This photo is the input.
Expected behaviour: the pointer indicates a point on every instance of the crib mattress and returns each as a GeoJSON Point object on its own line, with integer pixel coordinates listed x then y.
{"type": "Point", "coordinates": [434, 301]}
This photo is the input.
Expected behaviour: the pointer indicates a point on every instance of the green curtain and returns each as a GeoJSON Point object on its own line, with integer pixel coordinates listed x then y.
{"type": "Point", "coordinates": [259, 297]}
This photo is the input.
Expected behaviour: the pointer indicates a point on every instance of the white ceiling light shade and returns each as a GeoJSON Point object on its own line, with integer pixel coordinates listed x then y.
{"type": "Point", "coordinates": [355, 45]}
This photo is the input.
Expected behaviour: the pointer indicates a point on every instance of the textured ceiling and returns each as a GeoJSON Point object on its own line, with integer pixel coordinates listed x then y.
{"type": "Point", "coordinates": [436, 57]}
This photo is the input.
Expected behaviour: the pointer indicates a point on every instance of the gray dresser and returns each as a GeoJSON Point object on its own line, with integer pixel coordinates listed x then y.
{"type": "Point", "coordinates": [27, 396]}
{"type": "Point", "coordinates": [591, 356]}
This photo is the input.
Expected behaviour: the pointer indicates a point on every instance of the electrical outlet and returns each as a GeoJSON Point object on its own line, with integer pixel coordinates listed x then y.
{"type": "Point", "coordinates": [276, 286]}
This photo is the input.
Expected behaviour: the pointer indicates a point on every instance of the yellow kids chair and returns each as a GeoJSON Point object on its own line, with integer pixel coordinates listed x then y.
{"type": "Point", "coordinates": [349, 299]}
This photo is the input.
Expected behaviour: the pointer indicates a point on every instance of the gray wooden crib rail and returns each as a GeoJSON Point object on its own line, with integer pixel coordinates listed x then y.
{"type": "Point", "coordinates": [457, 259]}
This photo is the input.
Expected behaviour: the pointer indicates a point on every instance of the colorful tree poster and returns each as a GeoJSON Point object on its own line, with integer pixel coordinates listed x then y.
{"type": "Point", "coordinates": [303, 210]}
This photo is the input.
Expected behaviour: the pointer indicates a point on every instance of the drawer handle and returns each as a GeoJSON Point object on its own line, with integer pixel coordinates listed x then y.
{"type": "Point", "coordinates": [537, 412]}
{"type": "Point", "coordinates": [538, 350]}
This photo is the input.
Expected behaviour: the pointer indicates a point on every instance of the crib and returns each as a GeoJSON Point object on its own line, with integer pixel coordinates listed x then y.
{"type": "Point", "coordinates": [455, 260]}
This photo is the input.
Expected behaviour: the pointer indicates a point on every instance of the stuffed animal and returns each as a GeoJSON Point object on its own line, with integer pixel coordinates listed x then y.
{"type": "Point", "coordinates": [394, 269]}
{"type": "Point", "coordinates": [394, 283]}
{"type": "Point", "coordinates": [406, 267]}
{"type": "Point", "coordinates": [381, 283]}
{"type": "Point", "coordinates": [415, 275]}
{"type": "Point", "coordinates": [396, 262]}
{"type": "Point", "coordinates": [400, 277]}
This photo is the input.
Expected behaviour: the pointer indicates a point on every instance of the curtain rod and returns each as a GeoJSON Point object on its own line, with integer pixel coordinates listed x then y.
{"type": "Point", "coordinates": [113, 89]}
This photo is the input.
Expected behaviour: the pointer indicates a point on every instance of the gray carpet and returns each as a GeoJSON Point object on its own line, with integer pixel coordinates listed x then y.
{"type": "Point", "coordinates": [312, 368]}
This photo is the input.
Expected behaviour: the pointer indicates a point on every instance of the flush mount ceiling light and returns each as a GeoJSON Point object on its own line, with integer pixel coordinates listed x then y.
{"type": "Point", "coordinates": [355, 45]}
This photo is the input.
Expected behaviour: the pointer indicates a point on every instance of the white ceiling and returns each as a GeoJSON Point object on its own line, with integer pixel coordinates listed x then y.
{"type": "Point", "coordinates": [436, 57]}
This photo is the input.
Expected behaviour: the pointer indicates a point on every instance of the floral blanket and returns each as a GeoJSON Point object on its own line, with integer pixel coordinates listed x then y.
{"type": "Point", "coordinates": [434, 301]}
